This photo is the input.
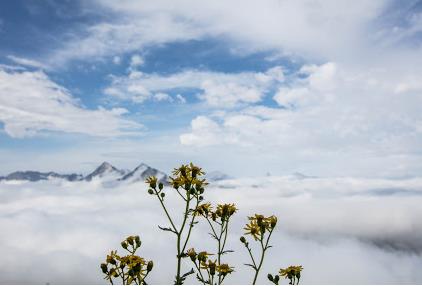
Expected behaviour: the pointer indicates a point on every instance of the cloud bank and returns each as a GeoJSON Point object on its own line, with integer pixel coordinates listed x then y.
{"type": "Point", "coordinates": [342, 230]}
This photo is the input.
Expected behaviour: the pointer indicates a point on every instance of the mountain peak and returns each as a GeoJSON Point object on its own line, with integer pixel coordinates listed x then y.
{"type": "Point", "coordinates": [104, 169]}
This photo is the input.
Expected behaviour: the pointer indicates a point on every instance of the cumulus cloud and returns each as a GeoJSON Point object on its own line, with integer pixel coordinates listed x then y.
{"type": "Point", "coordinates": [327, 109]}
{"type": "Point", "coordinates": [363, 230]}
{"type": "Point", "coordinates": [218, 89]}
{"type": "Point", "coordinates": [30, 102]}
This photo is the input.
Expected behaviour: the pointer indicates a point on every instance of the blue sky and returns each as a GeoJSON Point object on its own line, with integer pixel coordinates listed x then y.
{"type": "Point", "coordinates": [244, 87]}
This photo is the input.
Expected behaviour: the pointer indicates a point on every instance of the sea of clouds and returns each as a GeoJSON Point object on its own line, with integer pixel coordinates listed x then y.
{"type": "Point", "coordinates": [342, 230]}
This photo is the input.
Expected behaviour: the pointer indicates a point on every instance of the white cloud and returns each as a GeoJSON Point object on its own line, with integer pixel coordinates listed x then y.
{"type": "Point", "coordinates": [136, 61]}
{"type": "Point", "coordinates": [330, 112]}
{"type": "Point", "coordinates": [321, 29]}
{"type": "Point", "coordinates": [30, 103]}
{"type": "Point", "coordinates": [218, 89]}
{"type": "Point", "coordinates": [27, 62]}
{"type": "Point", "coordinates": [72, 226]}
{"type": "Point", "coordinates": [161, 96]}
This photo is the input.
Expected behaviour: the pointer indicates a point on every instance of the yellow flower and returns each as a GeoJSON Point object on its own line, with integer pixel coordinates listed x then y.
{"type": "Point", "coordinates": [191, 253]}
{"type": "Point", "coordinates": [291, 271]}
{"type": "Point", "coordinates": [226, 210]}
{"type": "Point", "coordinates": [204, 209]}
{"type": "Point", "coordinates": [152, 181]}
{"type": "Point", "coordinates": [253, 229]}
{"type": "Point", "coordinates": [271, 222]}
{"type": "Point", "coordinates": [224, 269]}
{"type": "Point", "coordinates": [203, 256]}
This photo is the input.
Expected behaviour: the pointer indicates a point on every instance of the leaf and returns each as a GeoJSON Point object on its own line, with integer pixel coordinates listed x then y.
{"type": "Point", "coordinates": [188, 273]}
{"type": "Point", "coordinates": [227, 251]}
{"type": "Point", "coordinates": [167, 229]}
{"type": "Point", "coordinates": [213, 235]}
{"type": "Point", "coordinates": [247, 264]}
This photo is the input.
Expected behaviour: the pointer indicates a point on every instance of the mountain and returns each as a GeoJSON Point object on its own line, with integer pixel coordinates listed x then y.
{"type": "Point", "coordinates": [142, 172]}
{"type": "Point", "coordinates": [105, 171]}
{"type": "Point", "coordinates": [35, 176]}
{"type": "Point", "coordinates": [216, 176]}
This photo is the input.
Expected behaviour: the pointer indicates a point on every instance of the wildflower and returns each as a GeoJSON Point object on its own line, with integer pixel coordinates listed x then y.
{"type": "Point", "coordinates": [224, 269]}
{"type": "Point", "coordinates": [192, 254]}
{"type": "Point", "coordinates": [152, 181]}
{"type": "Point", "coordinates": [272, 221]}
{"type": "Point", "coordinates": [211, 266]}
{"type": "Point", "coordinates": [253, 229]}
{"type": "Point", "coordinates": [204, 209]}
{"type": "Point", "coordinates": [225, 211]}
{"type": "Point", "coordinates": [203, 255]}
{"type": "Point", "coordinates": [291, 272]}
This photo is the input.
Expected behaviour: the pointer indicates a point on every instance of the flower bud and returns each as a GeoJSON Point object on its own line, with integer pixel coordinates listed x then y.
{"type": "Point", "coordinates": [270, 277]}
{"type": "Point", "coordinates": [201, 198]}
{"type": "Point", "coordinates": [214, 216]}
{"type": "Point", "coordinates": [138, 241]}
{"type": "Point", "coordinates": [163, 195]}
{"type": "Point", "coordinates": [160, 186]}
{"type": "Point", "coordinates": [150, 265]}
{"type": "Point", "coordinates": [104, 268]}
{"type": "Point", "coordinates": [124, 244]}
{"type": "Point", "coordinates": [151, 191]}
{"type": "Point", "coordinates": [243, 239]}
{"type": "Point", "coordinates": [130, 240]}
{"type": "Point", "coordinates": [276, 278]}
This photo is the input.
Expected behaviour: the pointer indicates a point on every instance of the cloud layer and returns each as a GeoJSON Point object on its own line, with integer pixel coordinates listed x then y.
{"type": "Point", "coordinates": [342, 230]}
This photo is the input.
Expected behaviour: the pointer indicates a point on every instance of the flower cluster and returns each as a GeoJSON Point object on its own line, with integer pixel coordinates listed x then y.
{"type": "Point", "coordinates": [130, 268]}
{"type": "Point", "coordinates": [223, 211]}
{"type": "Point", "coordinates": [202, 261]}
{"type": "Point", "coordinates": [292, 273]}
{"type": "Point", "coordinates": [187, 176]}
{"type": "Point", "coordinates": [259, 224]}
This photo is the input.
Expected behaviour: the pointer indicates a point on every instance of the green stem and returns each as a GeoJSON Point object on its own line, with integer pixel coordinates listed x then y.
{"type": "Point", "coordinates": [263, 249]}
{"type": "Point", "coordinates": [165, 210]}
{"type": "Point", "coordinates": [179, 237]}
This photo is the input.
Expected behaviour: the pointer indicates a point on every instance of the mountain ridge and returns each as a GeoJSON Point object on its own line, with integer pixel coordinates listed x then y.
{"type": "Point", "coordinates": [105, 171]}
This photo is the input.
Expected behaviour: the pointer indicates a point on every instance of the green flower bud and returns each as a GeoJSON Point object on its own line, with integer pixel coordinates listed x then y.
{"type": "Point", "coordinates": [276, 278]}
{"type": "Point", "coordinates": [124, 245]}
{"type": "Point", "coordinates": [160, 186]}
{"type": "Point", "coordinates": [151, 191]}
{"type": "Point", "coordinates": [163, 195]}
{"type": "Point", "coordinates": [201, 198]}
{"type": "Point", "coordinates": [243, 239]}
{"type": "Point", "coordinates": [270, 277]}
{"type": "Point", "coordinates": [104, 268]}
{"type": "Point", "coordinates": [150, 265]}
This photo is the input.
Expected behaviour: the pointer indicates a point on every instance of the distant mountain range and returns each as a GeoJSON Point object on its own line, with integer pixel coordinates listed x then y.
{"type": "Point", "coordinates": [105, 173]}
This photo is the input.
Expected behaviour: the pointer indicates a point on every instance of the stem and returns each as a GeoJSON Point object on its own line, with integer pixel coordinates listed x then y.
{"type": "Point", "coordinates": [165, 210]}
{"type": "Point", "coordinates": [199, 271]}
{"type": "Point", "coordinates": [263, 248]}
{"type": "Point", "coordinates": [190, 227]}
{"type": "Point", "coordinates": [179, 236]}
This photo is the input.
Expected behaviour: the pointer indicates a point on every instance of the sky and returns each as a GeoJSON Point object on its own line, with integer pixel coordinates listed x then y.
{"type": "Point", "coordinates": [326, 88]}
